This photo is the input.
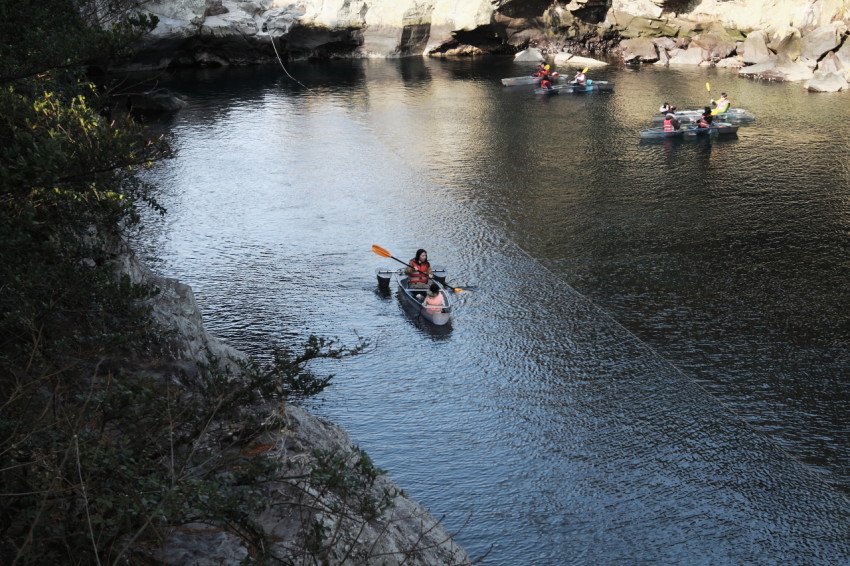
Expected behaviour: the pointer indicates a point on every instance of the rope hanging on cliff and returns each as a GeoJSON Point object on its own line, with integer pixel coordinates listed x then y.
{"type": "Point", "coordinates": [281, 62]}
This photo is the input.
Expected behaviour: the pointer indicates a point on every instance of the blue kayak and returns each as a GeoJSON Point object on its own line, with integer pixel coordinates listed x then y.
{"type": "Point", "coordinates": [688, 131]}
{"type": "Point", "coordinates": [733, 115]}
{"type": "Point", "coordinates": [528, 80]}
{"type": "Point", "coordinates": [571, 88]}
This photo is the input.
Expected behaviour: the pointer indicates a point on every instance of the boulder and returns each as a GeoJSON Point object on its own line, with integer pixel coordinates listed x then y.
{"type": "Point", "coordinates": [693, 55]}
{"type": "Point", "coordinates": [531, 54]}
{"type": "Point", "coordinates": [843, 54]}
{"type": "Point", "coordinates": [755, 48]}
{"type": "Point", "coordinates": [730, 63]}
{"type": "Point", "coordinates": [829, 64]}
{"type": "Point", "coordinates": [665, 43]}
{"type": "Point", "coordinates": [577, 61]}
{"type": "Point", "coordinates": [638, 50]}
{"type": "Point", "coordinates": [822, 40]}
{"type": "Point", "coordinates": [826, 82]}
{"type": "Point", "coordinates": [780, 68]}
{"type": "Point", "coordinates": [192, 11]}
{"type": "Point", "coordinates": [155, 101]}
{"type": "Point", "coordinates": [561, 58]}
{"type": "Point", "coordinates": [718, 46]}
{"type": "Point", "coordinates": [647, 8]}
{"type": "Point", "coordinates": [790, 45]}
{"type": "Point", "coordinates": [641, 26]}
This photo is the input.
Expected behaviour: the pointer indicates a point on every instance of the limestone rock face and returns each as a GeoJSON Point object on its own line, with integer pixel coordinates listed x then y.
{"type": "Point", "coordinates": [780, 69]}
{"type": "Point", "coordinates": [223, 32]}
{"type": "Point", "coordinates": [639, 49]}
{"type": "Point", "coordinates": [755, 48]}
{"type": "Point", "coordinates": [693, 55]}
{"type": "Point", "coordinates": [822, 40]}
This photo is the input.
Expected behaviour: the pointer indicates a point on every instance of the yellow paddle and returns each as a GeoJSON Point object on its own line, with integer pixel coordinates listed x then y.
{"type": "Point", "coordinates": [384, 253]}
{"type": "Point", "coordinates": [708, 88]}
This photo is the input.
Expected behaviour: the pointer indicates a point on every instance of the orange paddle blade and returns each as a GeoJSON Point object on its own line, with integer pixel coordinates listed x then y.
{"type": "Point", "coordinates": [381, 251]}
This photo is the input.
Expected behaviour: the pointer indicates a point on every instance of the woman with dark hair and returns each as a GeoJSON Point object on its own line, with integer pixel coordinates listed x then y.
{"type": "Point", "coordinates": [419, 270]}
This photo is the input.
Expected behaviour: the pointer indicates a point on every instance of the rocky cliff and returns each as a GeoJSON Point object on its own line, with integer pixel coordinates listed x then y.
{"type": "Point", "coordinates": [794, 40]}
{"type": "Point", "coordinates": [405, 533]}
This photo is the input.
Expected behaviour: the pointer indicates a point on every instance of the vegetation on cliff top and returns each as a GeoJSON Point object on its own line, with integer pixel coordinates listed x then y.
{"type": "Point", "coordinates": [105, 444]}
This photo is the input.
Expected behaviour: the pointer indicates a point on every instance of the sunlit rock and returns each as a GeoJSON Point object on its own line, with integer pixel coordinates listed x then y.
{"type": "Point", "coordinates": [822, 40]}
{"type": "Point", "coordinates": [829, 64]}
{"type": "Point", "coordinates": [190, 11]}
{"type": "Point", "coordinates": [755, 48]}
{"type": "Point", "coordinates": [530, 54]}
{"type": "Point", "coordinates": [826, 82]}
{"type": "Point", "coordinates": [576, 61]}
{"type": "Point", "coordinates": [639, 50]}
{"type": "Point", "coordinates": [563, 57]}
{"type": "Point", "coordinates": [693, 55]}
{"type": "Point", "coordinates": [716, 45]}
{"type": "Point", "coordinates": [730, 63]}
{"type": "Point", "coordinates": [649, 8]}
{"type": "Point", "coordinates": [843, 54]}
{"type": "Point", "coordinates": [781, 68]}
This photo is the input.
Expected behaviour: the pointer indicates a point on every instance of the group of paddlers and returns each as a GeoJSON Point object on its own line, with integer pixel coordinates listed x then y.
{"type": "Point", "coordinates": [671, 124]}
{"type": "Point", "coordinates": [546, 75]}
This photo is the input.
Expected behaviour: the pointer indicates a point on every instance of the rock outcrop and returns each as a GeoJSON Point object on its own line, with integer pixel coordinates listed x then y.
{"type": "Point", "coordinates": [405, 534]}
{"type": "Point", "coordinates": [767, 39]}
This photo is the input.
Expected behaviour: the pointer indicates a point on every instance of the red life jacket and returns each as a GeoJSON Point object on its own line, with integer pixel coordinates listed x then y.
{"type": "Point", "coordinates": [704, 123]}
{"type": "Point", "coordinates": [420, 273]}
{"type": "Point", "coordinates": [668, 125]}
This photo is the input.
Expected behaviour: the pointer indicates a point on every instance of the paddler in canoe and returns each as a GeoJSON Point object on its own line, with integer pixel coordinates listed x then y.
{"type": "Point", "coordinates": [721, 105]}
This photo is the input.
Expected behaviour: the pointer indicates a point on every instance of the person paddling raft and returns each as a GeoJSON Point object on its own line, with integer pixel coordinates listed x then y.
{"type": "Point", "coordinates": [666, 108]}
{"type": "Point", "coordinates": [706, 119]}
{"type": "Point", "coordinates": [671, 124]}
{"type": "Point", "coordinates": [419, 270]}
{"type": "Point", "coordinates": [546, 83]}
{"type": "Point", "coordinates": [722, 104]}
{"type": "Point", "coordinates": [580, 78]}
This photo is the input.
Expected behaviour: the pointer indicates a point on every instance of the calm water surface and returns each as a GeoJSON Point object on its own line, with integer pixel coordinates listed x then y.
{"type": "Point", "coordinates": [654, 366]}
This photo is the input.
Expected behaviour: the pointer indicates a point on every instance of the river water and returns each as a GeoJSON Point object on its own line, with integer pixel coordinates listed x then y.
{"type": "Point", "coordinates": [653, 367]}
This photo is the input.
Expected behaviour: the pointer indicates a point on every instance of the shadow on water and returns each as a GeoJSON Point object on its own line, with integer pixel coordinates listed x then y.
{"type": "Point", "coordinates": [661, 332]}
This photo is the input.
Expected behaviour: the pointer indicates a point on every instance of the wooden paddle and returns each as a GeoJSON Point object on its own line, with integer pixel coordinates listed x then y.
{"type": "Point", "coordinates": [384, 253]}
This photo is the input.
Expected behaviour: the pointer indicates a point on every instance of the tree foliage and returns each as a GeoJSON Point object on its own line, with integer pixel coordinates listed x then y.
{"type": "Point", "coordinates": [106, 445]}
{"type": "Point", "coordinates": [103, 446]}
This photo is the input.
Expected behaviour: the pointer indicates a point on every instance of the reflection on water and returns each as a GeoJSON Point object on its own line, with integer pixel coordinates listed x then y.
{"type": "Point", "coordinates": [653, 367]}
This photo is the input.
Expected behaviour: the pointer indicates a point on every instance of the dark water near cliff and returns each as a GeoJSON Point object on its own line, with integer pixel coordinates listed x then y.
{"type": "Point", "coordinates": [654, 367]}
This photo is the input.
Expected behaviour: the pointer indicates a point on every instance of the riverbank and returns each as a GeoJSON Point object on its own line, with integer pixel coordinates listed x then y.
{"type": "Point", "coordinates": [785, 41]}
{"type": "Point", "coordinates": [404, 533]}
